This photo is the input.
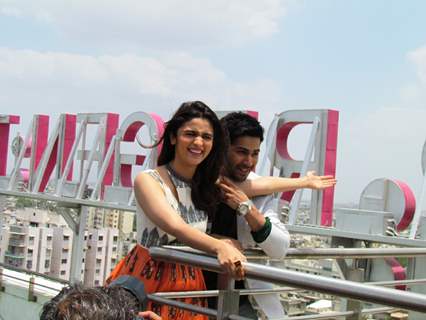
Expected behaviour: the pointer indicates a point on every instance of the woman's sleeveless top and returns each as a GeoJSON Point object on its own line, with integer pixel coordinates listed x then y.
{"type": "Point", "coordinates": [148, 234]}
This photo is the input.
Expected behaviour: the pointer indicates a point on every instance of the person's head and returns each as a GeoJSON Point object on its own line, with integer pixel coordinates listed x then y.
{"type": "Point", "coordinates": [245, 135]}
{"type": "Point", "coordinates": [99, 303]}
{"type": "Point", "coordinates": [195, 138]}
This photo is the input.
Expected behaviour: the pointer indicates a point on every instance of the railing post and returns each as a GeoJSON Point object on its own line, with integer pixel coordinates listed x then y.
{"type": "Point", "coordinates": [228, 302]}
{"type": "Point", "coordinates": [2, 288]}
{"type": "Point", "coordinates": [352, 273]}
{"type": "Point", "coordinates": [417, 269]}
{"type": "Point", "coordinates": [225, 282]}
{"type": "Point", "coordinates": [357, 275]}
{"type": "Point", "coordinates": [31, 295]}
{"type": "Point", "coordinates": [78, 245]}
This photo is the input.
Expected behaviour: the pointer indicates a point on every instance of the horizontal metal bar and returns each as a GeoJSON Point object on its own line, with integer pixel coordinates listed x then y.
{"type": "Point", "coordinates": [34, 273]}
{"type": "Point", "coordinates": [343, 288]}
{"type": "Point", "coordinates": [325, 315]}
{"type": "Point", "coordinates": [328, 315]}
{"type": "Point", "coordinates": [68, 202]}
{"type": "Point", "coordinates": [353, 253]}
{"type": "Point", "coordinates": [187, 294]}
{"type": "Point", "coordinates": [215, 293]}
{"type": "Point", "coordinates": [325, 253]}
{"type": "Point", "coordinates": [24, 281]}
{"type": "Point", "coordinates": [397, 282]}
{"type": "Point", "coordinates": [246, 292]}
{"type": "Point", "coordinates": [237, 317]}
{"type": "Point", "coordinates": [182, 305]}
{"type": "Point", "coordinates": [331, 232]}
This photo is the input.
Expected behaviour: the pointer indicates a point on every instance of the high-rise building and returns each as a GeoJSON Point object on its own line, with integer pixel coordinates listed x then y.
{"type": "Point", "coordinates": [45, 243]}
{"type": "Point", "coordinates": [111, 218]}
{"type": "Point", "coordinates": [101, 256]}
{"type": "Point", "coordinates": [27, 247]}
{"type": "Point", "coordinates": [61, 252]}
{"type": "Point", "coordinates": [95, 218]}
{"type": "Point", "coordinates": [126, 222]}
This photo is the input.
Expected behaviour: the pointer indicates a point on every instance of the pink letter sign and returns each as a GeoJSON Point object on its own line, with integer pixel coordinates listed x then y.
{"type": "Point", "coordinates": [324, 156]}
{"type": "Point", "coordinates": [128, 130]}
{"type": "Point", "coordinates": [56, 152]}
{"type": "Point", "coordinates": [5, 122]}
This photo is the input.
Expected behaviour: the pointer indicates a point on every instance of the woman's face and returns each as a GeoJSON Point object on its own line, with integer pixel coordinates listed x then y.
{"type": "Point", "coordinates": [193, 142]}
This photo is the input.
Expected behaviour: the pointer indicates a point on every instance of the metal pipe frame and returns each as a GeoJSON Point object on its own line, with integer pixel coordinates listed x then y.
{"type": "Point", "coordinates": [312, 230]}
{"type": "Point", "coordinates": [332, 232]}
{"type": "Point", "coordinates": [183, 305]}
{"type": "Point", "coordinates": [324, 253]}
{"type": "Point", "coordinates": [343, 288]}
{"type": "Point", "coordinates": [397, 282]}
{"type": "Point", "coordinates": [353, 253]}
{"type": "Point", "coordinates": [215, 293]}
{"type": "Point", "coordinates": [28, 282]}
{"type": "Point", "coordinates": [31, 273]}
{"type": "Point", "coordinates": [328, 315]}
{"type": "Point", "coordinates": [68, 202]}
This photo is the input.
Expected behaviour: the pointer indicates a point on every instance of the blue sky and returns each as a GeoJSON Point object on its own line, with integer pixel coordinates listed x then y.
{"type": "Point", "coordinates": [366, 59]}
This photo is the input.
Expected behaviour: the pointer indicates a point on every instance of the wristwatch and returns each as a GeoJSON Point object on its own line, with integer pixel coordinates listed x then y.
{"type": "Point", "coordinates": [244, 208]}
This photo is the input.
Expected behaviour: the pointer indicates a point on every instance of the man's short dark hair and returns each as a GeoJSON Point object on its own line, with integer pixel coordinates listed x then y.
{"type": "Point", "coordinates": [79, 303]}
{"type": "Point", "coordinates": [240, 124]}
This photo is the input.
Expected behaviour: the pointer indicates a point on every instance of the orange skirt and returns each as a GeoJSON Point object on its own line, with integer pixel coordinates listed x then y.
{"type": "Point", "coordinates": [159, 276]}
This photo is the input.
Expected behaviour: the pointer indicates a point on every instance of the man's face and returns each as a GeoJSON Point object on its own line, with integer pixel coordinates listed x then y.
{"type": "Point", "coordinates": [242, 157]}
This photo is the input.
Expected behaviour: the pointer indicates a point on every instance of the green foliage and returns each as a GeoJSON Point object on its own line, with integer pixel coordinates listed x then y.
{"type": "Point", "coordinates": [30, 203]}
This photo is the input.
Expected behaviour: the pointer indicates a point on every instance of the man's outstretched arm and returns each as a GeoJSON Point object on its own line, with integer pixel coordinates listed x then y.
{"type": "Point", "coordinates": [268, 185]}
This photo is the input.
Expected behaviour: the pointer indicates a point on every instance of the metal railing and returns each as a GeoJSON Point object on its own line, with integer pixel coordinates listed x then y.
{"type": "Point", "coordinates": [337, 287]}
{"type": "Point", "coordinates": [299, 281]}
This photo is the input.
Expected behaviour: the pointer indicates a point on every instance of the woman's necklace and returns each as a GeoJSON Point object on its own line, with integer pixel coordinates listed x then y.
{"type": "Point", "coordinates": [173, 173]}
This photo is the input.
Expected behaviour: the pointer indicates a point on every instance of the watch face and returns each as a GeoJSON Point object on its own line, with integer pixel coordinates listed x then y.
{"type": "Point", "coordinates": [243, 209]}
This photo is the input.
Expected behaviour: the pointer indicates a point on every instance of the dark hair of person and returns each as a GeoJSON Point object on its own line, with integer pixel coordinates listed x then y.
{"type": "Point", "coordinates": [240, 124]}
{"type": "Point", "coordinates": [204, 192]}
{"type": "Point", "coordinates": [99, 303]}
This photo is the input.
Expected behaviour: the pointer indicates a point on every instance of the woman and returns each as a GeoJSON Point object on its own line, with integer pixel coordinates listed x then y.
{"type": "Point", "coordinates": [174, 202]}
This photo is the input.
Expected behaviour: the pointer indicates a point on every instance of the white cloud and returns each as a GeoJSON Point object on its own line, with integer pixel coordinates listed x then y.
{"type": "Point", "coordinates": [418, 57]}
{"type": "Point", "coordinates": [386, 142]}
{"type": "Point", "coordinates": [414, 93]}
{"type": "Point", "coordinates": [155, 24]}
{"type": "Point", "coordinates": [54, 82]}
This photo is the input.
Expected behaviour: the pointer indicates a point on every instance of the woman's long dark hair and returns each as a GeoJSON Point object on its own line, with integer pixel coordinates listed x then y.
{"type": "Point", "coordinates": [204, 192]}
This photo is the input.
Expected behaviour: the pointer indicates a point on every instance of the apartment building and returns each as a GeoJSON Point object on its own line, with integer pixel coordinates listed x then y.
{"type": "Point", "coordinates": [105, 218]}
{"type": "Point", "coordinates": [101, 256]}
{"type": "Point", "coordinates": [39, 217]}
{"type": "Point", "coordinates": [4, 241]}
{"type": "Point", "coordinates": [15, 250]}
{"type": "Point", "coordinates": [61, 252]}
{"type": "Point", "coordinates": [95, 218]}
{"type": "Point", "coordinates": [45, 243]}
{"type": "Point", "coordinates": [27, 247]}
{"type": "Point", "coordinates": [125, 224]}
{"type": "Point", "coordinates": [33, 217]}
{"type": "Point", "coordinates": [111, 219]}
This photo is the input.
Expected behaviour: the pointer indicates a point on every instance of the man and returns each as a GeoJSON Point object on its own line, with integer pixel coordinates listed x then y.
{"type": "Point", "coordinates": [256, 221]}
{"type": "Point", "coordinates": [121, 300]}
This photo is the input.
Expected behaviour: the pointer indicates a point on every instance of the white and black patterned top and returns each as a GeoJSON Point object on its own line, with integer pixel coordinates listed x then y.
{"type": "Point", "coordinates": [151, 235]}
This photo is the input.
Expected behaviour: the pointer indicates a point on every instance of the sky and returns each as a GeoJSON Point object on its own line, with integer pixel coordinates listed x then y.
{"type": "Point", "coordinates": [366, 59]}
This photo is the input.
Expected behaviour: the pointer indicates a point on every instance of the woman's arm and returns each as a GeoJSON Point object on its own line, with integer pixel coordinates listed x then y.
{"type": "Point", "coordinates": [268, 185]}
{"type": "Point", "coordinates": [152, 200]}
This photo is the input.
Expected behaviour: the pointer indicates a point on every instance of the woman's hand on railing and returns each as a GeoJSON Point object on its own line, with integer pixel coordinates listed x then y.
{"type": "Point", "coordinates": [230, 259]}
